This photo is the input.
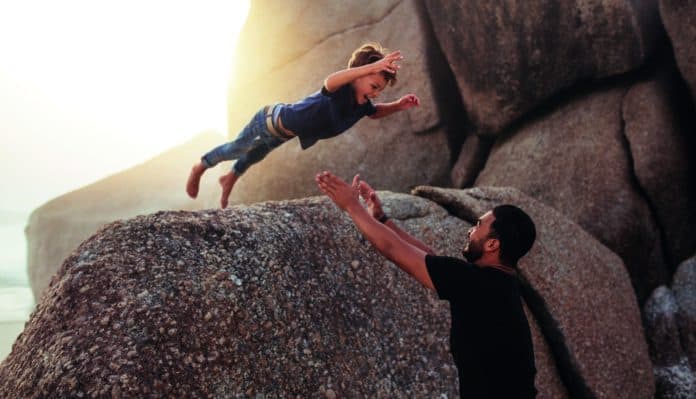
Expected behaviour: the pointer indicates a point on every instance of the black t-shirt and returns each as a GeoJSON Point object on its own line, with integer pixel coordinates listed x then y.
{"type": "Point", "coordinates": [490, 338]}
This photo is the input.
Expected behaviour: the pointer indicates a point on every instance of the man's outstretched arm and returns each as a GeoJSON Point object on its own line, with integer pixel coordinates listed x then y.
{"type": "Point", "coordinates": [408, 257]}
{"type": "Point", "coordinates": [374, 207]}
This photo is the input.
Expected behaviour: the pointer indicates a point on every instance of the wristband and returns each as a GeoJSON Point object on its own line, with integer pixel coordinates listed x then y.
{"type": "Point", "coordinates": [383, 219]}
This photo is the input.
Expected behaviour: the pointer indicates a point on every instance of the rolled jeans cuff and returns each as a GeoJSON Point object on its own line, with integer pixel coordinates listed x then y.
{"type": "Point", "coordinates": [205, 162]}
{"type": "Point", "coordinates": [239, 169]}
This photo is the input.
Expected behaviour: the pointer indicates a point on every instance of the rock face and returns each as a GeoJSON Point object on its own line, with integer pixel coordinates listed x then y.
{"type": "Point", "coordinates": [59, 226]}
{"type": "Point", "coordinates": [576, 160]}
{"type": "Point", "coordinates": [509, 56]}
{"type": "Point", "coordinates": [580, 294]}
{"type": "Point", "coordinates": [679, 19]}
{"type": "Point", "coordinates": [279, 300]}
{"type": "Point", "coordinates": [395, 153]}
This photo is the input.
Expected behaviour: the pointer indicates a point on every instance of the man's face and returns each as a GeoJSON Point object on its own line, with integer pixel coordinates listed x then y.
{"type": "Point", "coordinates": [477, 236]}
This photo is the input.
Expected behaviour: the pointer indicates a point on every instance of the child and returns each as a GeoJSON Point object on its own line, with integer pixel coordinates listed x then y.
{"type": "Point", "coordinates": [344, 99]}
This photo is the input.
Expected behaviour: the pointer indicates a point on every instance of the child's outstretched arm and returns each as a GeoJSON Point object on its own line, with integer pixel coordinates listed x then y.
{"type": "Point", "coordinates": [339, 78]}
{"type": "Point", "coordinates": [404, 103]}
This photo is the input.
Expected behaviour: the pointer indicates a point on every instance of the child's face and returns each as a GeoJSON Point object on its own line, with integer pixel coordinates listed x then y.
{"type": "Point", "coordinates": [368, 87]}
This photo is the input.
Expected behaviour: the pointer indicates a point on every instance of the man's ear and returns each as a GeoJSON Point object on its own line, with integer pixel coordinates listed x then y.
{"type": "Point", "coordinates": [491, 244]}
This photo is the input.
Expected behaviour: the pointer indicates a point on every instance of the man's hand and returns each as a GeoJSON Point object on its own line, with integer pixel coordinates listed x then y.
{"type": "Point", "coordinates": [408, 101]}
{"type": "Point", "coordinates": [342, 194]}
{"type": "Point", "coordinates": [368, 194]}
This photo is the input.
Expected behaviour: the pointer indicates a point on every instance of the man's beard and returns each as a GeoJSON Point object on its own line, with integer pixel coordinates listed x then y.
{"type": "Point", "coordinates": [472, 251]}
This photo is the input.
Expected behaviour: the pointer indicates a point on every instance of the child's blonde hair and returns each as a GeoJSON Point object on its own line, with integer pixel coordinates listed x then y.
{"type": "Point", "coordinates": [369, 53]}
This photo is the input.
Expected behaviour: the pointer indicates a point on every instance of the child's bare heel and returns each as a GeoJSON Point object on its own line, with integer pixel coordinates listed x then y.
{"type": "Point", "coordinates": [194, 179]}
{"type": "Point", "coordinates": [227, 182]}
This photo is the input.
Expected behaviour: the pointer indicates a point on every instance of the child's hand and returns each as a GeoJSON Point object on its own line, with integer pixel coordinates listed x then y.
{"type": "Point", "coordinates": [408, 101]}
{"type": "Point", "coordinates": [388, 63]}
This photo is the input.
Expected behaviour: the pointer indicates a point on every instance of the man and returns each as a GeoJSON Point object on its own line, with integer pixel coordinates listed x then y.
{"type": "Point", "coordinates": [490, 339]}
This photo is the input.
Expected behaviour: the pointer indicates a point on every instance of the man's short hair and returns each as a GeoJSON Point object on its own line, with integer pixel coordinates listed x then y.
{"type": "Point", "coordinates": [515, 230]}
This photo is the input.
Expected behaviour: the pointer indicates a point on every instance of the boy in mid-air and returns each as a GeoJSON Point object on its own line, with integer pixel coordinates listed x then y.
{"type": "Point", "coordinates": [344, 99]}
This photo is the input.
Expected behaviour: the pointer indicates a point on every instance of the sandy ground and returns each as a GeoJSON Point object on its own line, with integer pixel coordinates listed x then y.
{"type": "Point", "coordinates": [9, 330]}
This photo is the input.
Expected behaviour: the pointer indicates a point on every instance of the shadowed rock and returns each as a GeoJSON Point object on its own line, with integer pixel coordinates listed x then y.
{"type": "Point", "coordinates": [472, 159]}
{"type": "Point", "coordinates": [580, 294]}
{"type": "Point", "coordinates": [684, 288]}
{"type": "Point", "coordinates": [673, 375]}
{"type": "Point", "coordinates": [509, 56]}
{"type": "Point", "coordinates": [679, 19]}
{"type": "Point", "coordinates": [548, 382]}
{"type": "Point", "coordinates": [663, 161]}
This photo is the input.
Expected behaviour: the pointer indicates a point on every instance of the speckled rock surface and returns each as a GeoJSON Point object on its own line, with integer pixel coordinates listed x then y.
{"type": "Point", "coordinates": [280, 300]}
{"type": "Point", "coordinates": [509, 56]}
{"type": "Point", "coordinates": [580, 294]}
{"type": "Point", "coordinates": [684, 288]}
{"type": "Point", "coordinates": [674, 377]}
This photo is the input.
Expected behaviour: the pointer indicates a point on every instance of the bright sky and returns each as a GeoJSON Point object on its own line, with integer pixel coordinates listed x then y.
{"type": "Point", "coordinates": [92, 87]}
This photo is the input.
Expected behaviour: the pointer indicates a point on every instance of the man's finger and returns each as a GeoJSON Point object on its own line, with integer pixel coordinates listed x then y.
{"type": "Point", "coordinates": [356, 182]}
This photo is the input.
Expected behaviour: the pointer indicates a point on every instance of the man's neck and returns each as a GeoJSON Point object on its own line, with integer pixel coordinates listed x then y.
{"type": "Point", "coordinates": [497, 266]}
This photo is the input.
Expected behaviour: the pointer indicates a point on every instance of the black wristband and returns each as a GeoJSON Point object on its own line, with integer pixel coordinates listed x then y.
{"type": "Point", "coordinates": [383, 219]}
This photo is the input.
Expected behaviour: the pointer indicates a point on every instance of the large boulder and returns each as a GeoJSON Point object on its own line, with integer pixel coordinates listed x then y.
{"type": "Point", "coordinates": [662, 152]}
{"type": "Point", "coordinates": [509, 56]}
{"type": "Point", "coordinates": [575, 159]}
{"type": "Point", "coordinates": [679, 20]}
{"type": "Point", "coordinates": [394, 153]}
{"type": "Point", "coordinates": [278, 300]}
{"type": "Point", "coordinates": [580, 295]}
{"type": "Point", "coordinates": [56, 228]}
{"type": "Point", "coordinates": [674, 378]}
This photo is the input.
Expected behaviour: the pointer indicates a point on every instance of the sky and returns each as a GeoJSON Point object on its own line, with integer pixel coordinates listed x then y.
{"type": "Point", "coordinates": [92, 87]}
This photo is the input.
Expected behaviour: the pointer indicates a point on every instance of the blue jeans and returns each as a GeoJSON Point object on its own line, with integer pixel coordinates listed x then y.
{"type": "Point", "coordinates": [251, 146]}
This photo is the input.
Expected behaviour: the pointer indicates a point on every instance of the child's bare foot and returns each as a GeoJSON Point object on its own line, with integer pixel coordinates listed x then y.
{"type": "Point", "coordinates": [194, 179]}
{"type": "Point", "coordinates": [227, 182]}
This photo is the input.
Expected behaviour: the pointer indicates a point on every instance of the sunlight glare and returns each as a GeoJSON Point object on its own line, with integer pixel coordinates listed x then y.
{"type": "Point", "coordinates": [113, 83]}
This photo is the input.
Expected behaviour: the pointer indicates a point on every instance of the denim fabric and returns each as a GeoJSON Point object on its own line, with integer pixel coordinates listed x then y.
{"type": "Point", "coordinates": [250, 146]}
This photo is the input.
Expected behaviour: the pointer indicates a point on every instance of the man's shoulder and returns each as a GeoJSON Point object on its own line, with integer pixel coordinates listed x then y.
{"type": "Point", "coordinates": [448, 274]}
{"type": "Point", "coordinates": [441, 260]}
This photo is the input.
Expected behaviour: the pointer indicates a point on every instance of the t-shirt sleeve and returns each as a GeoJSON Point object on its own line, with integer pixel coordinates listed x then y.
{"type": "Point", "coordinates": [449, 275]}
{"type": "Point", "coordinates": [333, 94]}
{"type": "Point", "coordinates": [439, 270]}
